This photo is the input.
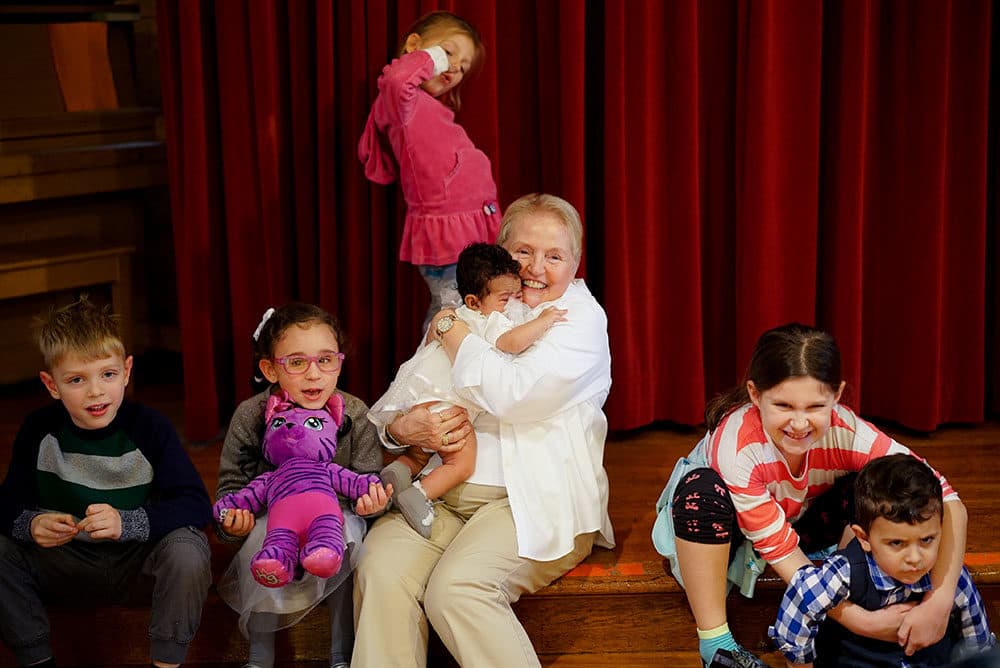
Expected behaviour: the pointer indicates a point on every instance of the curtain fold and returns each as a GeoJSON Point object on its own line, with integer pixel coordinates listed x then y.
{"type": "Point", "coordinates": [845, 196]}
{"type": "Point", "coordinates": [925, 256]}
{"type": "Point", "coordinates": [777, 165]}
{"type": "Point", "coordinates": [737, 164]}
{"type": "Point", "coordinates": [191, 115]}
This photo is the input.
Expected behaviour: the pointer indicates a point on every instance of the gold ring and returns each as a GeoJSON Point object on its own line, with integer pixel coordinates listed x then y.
{"type": "Point", "coordinates": [444, 439]}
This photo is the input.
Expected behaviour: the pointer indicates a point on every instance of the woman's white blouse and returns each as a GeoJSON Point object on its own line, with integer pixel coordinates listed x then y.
{"type": "Point", "coordinates": [544, 422]}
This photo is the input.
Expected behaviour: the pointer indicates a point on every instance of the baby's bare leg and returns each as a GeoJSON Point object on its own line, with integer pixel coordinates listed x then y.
{"type": "Point", "coordinates": [456, 467]}
{"type": "Point", "coordinates": [415, 459]}
{"type": "Point", "coordinates": [400, 472]}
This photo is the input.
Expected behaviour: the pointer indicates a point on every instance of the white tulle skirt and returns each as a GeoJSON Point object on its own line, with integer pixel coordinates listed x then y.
{"type": "Point", "coordinates": [424, 377]}
{"type": "Point", "coordinates": [268, 609]}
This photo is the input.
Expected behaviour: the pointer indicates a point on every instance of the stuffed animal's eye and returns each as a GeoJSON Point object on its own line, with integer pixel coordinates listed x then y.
{"type": "Point", "coordinates": [314, 423]}
{"type": "Point", "coordinates": [277, 422]}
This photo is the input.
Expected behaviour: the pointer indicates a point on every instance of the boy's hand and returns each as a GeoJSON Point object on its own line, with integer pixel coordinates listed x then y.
{"type": "Point", "coordinates": [374, 501]}
{"type": "Point", "coordinates": [102, 522]}
{"type": "Point", "coordinates": [239, 522]}
{"type": "Point", "coordinates": [53, 529]}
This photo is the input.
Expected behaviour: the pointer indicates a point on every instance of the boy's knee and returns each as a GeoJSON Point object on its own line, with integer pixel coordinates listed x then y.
{"type": "Point", "coordinates": [185, 553]}
{"type": "Point", "coordinates": [9, 549]}
{"type": "Point", "coordinates": [13, 558]}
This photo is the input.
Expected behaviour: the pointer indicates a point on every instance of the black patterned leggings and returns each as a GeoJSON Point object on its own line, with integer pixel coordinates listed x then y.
{"type": "Point", "coordinates": [703, 512]}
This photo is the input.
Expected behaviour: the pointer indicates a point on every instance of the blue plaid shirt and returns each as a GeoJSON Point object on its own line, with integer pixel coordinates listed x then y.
{"type": "Point", "coordinates": [814, 590]}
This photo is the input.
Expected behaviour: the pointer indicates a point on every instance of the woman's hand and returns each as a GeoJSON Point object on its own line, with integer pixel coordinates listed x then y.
{"type": "Point", "coordinates": [443, 431]}
{"type": "Point", "coordinates": [239, 522]}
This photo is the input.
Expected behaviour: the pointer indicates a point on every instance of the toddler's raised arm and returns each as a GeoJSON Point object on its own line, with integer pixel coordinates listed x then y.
{"type": "Point", "coordinates": [522, 337]}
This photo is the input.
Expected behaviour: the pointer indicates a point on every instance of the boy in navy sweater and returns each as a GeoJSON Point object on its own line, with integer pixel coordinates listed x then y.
{"type": "Point", "coordinates": [898, 509]}
{"type": "Point", "coordinates": [101, 504]}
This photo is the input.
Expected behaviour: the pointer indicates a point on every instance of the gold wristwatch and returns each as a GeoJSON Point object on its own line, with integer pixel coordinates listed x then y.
{"type": "Point", "coordinates": [443, 324]}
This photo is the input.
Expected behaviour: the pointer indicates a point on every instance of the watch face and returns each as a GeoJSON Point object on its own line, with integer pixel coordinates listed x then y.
{"type": "Point", "coordinates": [444, 324]}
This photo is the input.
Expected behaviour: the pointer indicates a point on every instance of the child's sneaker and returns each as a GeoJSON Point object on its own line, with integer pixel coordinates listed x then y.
{"type": "Point", "coordinates": [735, 658]}
{"type": "Point", "coordinates": [417, 509]}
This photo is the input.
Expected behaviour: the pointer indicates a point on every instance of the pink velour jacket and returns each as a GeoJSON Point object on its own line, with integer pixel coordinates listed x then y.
{"type": "Point", "coordinates": [451, 198]}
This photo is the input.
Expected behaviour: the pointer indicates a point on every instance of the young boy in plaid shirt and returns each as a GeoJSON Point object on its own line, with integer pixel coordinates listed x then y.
{"type": "Point", "coordinates": [898, 509]}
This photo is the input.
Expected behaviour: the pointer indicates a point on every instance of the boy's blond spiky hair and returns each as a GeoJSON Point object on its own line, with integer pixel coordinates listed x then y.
{"type": "Point", "coordinates": [83, 328]}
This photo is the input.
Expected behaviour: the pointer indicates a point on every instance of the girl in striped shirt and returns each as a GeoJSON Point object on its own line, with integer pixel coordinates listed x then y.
{"type": "Point", "coordinates": [779, 462]}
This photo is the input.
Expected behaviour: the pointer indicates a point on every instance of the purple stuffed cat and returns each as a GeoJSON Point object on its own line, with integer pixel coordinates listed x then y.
{"type": "Point", "coordinates": [304, 520]}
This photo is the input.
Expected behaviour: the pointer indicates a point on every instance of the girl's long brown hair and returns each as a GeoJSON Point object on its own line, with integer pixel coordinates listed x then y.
{"type": "Point", "coordinates": [789, 351]}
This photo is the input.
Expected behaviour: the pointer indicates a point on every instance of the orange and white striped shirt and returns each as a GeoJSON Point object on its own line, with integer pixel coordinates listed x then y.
{"type": "Point", "coordinates": [767, 497]}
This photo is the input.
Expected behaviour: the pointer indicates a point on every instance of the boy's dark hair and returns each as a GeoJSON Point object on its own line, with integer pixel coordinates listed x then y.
{"type": "Point", "coordinates": [788, 351]}
{"type": "Point", "coordinates": [83, 328]}
{"type": "Point", "coordinates": [900, 488]}
{"type": "Point", "coordinates": [480, 263]}
{"type": "Point", "coordinates": [291, 314]}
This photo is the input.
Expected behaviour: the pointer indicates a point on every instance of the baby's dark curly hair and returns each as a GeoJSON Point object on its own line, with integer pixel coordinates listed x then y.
{"type": "Point", "coordinates": [479, 264]}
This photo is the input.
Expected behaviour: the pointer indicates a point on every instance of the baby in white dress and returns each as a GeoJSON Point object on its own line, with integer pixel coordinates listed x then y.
{"type": "Point", "coordinates": [490, 284]}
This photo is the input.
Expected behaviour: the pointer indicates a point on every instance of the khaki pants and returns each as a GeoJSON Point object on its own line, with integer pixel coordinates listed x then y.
{"type": "Point", "coordinates": [466, 577]}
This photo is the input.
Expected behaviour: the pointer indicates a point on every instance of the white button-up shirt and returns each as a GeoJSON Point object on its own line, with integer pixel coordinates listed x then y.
{"type": "Point", "coordinates": [543, 431]}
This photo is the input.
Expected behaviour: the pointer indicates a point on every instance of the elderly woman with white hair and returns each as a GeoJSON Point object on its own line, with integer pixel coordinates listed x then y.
{"type": "Point", "coordinates": [537, 501]}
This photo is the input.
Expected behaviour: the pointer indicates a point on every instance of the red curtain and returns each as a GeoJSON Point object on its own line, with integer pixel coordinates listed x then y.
{"type": "Point", "coordinates": [737, 164]}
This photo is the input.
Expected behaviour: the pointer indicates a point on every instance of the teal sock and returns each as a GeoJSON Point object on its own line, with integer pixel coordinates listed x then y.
{"type": "Point", "coordinates": [713, 639]}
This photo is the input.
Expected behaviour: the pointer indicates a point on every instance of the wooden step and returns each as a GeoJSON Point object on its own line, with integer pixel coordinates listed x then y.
{"type": "Point", "coordinates": [598, 630]}
{"type": "Point", "coordinates": [581, 620]}
{"type": "Point", "coordinates": [602, 630]}
{"type": "Point", "coordinates": [638, 660]}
